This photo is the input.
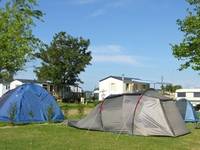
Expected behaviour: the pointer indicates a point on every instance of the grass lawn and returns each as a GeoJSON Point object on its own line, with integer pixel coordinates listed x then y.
{"type": "Point", "coordinates": [75, 106]}
{"type": "Point", "coordinates": [58, 137]}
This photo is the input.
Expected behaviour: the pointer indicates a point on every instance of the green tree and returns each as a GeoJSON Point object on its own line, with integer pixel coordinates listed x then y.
{"type": "Point", "coordinates": [188, 51]}
{"type": "Point", "coordinates": [63, 60]}
{"type": "Point", "coordinates": [17, 40]}
{"type": "Point", "coordinates": [171, 88]}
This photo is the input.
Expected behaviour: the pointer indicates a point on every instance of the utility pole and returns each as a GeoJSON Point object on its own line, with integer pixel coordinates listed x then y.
{"type": "Point", "coordinates": [162, 87]}
{"type": "Point", "coordinates": [123, 82]}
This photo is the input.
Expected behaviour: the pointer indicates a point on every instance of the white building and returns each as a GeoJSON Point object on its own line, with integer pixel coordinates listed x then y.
{"type": "Point", "coordinates": [193, 95]}
{"type": "Point", "coordinates": [118, 85]}
{"type": "Point", "coordinates": [68, 92]}
{"type": "Point", "coordinates": [4, 87]}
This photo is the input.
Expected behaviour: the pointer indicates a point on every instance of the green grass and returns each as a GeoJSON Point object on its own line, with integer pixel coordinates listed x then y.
{"type": "Point", "coordinates": [60, 137]}
{"type": "Point", "coordinates": [65, 106]}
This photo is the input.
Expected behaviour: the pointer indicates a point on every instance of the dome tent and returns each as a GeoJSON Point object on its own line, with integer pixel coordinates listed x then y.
{"type": "Point", "coordinates": [29, 103]}
{"type": "Point", "coordinates": [187, 111]}
{"type": "Point", "coordinates": [147, 113]}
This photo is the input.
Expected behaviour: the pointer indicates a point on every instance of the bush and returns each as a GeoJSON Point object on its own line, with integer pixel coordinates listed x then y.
{"type": "Point", "coordinates": [66, 110]}
{"type": "Point", "coordinates": [81, 110]}
{"type": "Point", "coordinates": [31, 115]}
{"type": "Point", "coordinates": [12, 112]}
{"type": "Point", "coordinates": [50, 113]}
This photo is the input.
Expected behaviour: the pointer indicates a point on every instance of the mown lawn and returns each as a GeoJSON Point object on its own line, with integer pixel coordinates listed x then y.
{"type": "Point", "coordinates": [60, 137]}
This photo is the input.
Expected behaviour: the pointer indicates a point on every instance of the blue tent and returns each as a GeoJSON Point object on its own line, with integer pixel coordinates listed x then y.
{"type": "Point", "coordinates": [187, 110]}
{"type": "Point", "coordinates": [29, 103]}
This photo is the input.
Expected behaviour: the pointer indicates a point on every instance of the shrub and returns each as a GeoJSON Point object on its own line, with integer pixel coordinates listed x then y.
{"type": "Point", "coordinates": [12, 112]}
{"type": "Point", "coordinates": [66, 111]}
{"type": "Point", "coordinates": [81, 110]}
{"type": "Point", "coordinates": [50, 113]}
{"type": "Point", "coordinates": [31, 115]}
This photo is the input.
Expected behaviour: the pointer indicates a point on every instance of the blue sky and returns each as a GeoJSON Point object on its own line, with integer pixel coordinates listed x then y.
{"type": "Point", "coordinates": [130, 37]}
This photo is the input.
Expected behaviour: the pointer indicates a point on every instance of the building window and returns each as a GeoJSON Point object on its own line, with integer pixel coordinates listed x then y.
{"type": "Point", "coordinates": [45, 86]}
{"type": "Point", "coordinates": [7, 87]}
{"type": "Point", "coordinates": [144, 87]}
{"type": "Point", "coordinates": [113, 87]}
{"type": "Point", "coordinates": [196, 94]}
{"type": "Point", "coordinates": [181, 94]}
{"type": "Point", "coordinates": [127, 87]}
{"type": "Point", "coordinates": [51, 88]}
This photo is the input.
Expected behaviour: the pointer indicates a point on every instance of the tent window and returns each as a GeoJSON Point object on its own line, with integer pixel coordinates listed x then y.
{"type": "Point", "coordinates": [196, 94]}
{"type": "Point", "coordinates": [181, 94]}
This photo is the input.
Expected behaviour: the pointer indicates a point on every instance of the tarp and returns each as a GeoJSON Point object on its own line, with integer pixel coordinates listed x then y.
{"type": "Point", "coordinates": [187, 111]}
{"type": "Point", "coordinates": [148, 113]}
{"type": "Point", "coordinates": [29, 103]}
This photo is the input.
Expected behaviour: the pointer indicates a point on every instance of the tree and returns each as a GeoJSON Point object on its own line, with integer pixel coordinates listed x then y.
{"type": "Point", "coordinates": [63, 60]}
{"type": "Point", "coordinates": [17, 40]}
{"type": "Point", "coordinates": [171, 88]}
{"type": "Point", "coordinates": [188, 51]}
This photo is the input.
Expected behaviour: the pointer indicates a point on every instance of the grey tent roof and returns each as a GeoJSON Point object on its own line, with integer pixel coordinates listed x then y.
{"type": "Point", "coordinates": [147, 113]}
{"type": "Point", "coordinates": [149, 92]}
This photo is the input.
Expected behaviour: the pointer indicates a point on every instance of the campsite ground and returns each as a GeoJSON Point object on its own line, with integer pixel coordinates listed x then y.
{"type": "Point", "coordinates": [59, 136]}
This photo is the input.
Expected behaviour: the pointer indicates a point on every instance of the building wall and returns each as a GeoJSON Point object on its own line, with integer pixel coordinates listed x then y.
{"type": "Point", "coordinates": [15, 84]}
{"type": "Point", "coordinates": [110, 86]}
{"type": "Point", "coordinates": [189, 95]}
{"type": "Point", "coordinates": [6, 87]}
{"type": "Point", "coordinates": [3, 89]}
{"type": "Point", "coordinates": [135, 86]}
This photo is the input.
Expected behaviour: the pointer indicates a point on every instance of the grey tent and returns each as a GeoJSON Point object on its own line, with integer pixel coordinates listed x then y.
{"type": "Point", "coordinates": [146, 114]}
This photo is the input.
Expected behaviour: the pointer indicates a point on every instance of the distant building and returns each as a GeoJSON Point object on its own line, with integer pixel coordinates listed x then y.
{"type": "Point", "coordinates": [193, 95]}
{"type": "Point", "coordinates": [68, 93]}
{"type": "Point", "coordinates": [96, 93]}
{"type": "Point", "coordinates": [118, 85]}
{"type": "Point", "coordinates": [6, 86]}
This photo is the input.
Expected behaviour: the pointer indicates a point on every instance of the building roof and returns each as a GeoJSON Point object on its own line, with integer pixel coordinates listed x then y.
{"type": "Point", "coordinates": [188, 90]}
{"type": "Point", "coordinates": [27, 80]}
{"type": "Point", "coordinates": [125, 79]}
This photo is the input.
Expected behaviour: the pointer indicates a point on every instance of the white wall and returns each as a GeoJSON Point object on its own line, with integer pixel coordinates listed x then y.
{"type": "Point", "coordinates": [3, 89]}
{"type": "Point", "coordinates": [189, 95]}
{"type": "Point", "coordinates": [76, 89]}
{"type": "Point", "coordinates": [110, 86]}
{"type": "Point", "coordinates": [15, 84]}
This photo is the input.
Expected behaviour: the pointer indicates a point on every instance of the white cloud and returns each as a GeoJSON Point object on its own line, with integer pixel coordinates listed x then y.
{"type": "Point", "coordinates": [98, 12]}
{"type": "Point", "coordinates": [107, 6]}
{"type": "Point", "coordinates": [83, 2]}
{"type": "Point", "coordinates": [124, 59]}
{"type": "Point", "coordinates": [111, 48]}
{"type": "Point", "coordinates": [112, 53]}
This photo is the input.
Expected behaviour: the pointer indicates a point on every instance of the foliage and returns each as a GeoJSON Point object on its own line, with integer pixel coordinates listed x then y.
{"type": "Point", "coordinates": [171, 88]}
{"type": "Point", "coordinates": [12, 112]}
{"type": "Point", "coordinates": [50, 112]}
{"type": "Point", "coordinates": [188, 51]}
{"type": "Point", "coordinates": [17, 41]}
{"type": "Point", "coordinates": [63, 60]}
{"type": "Point", "coordinates": [81, 110]}
{"type": "Point", "coordinates": [31, 114]}
{"type": "Point", "coordinates": [66, 110]}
